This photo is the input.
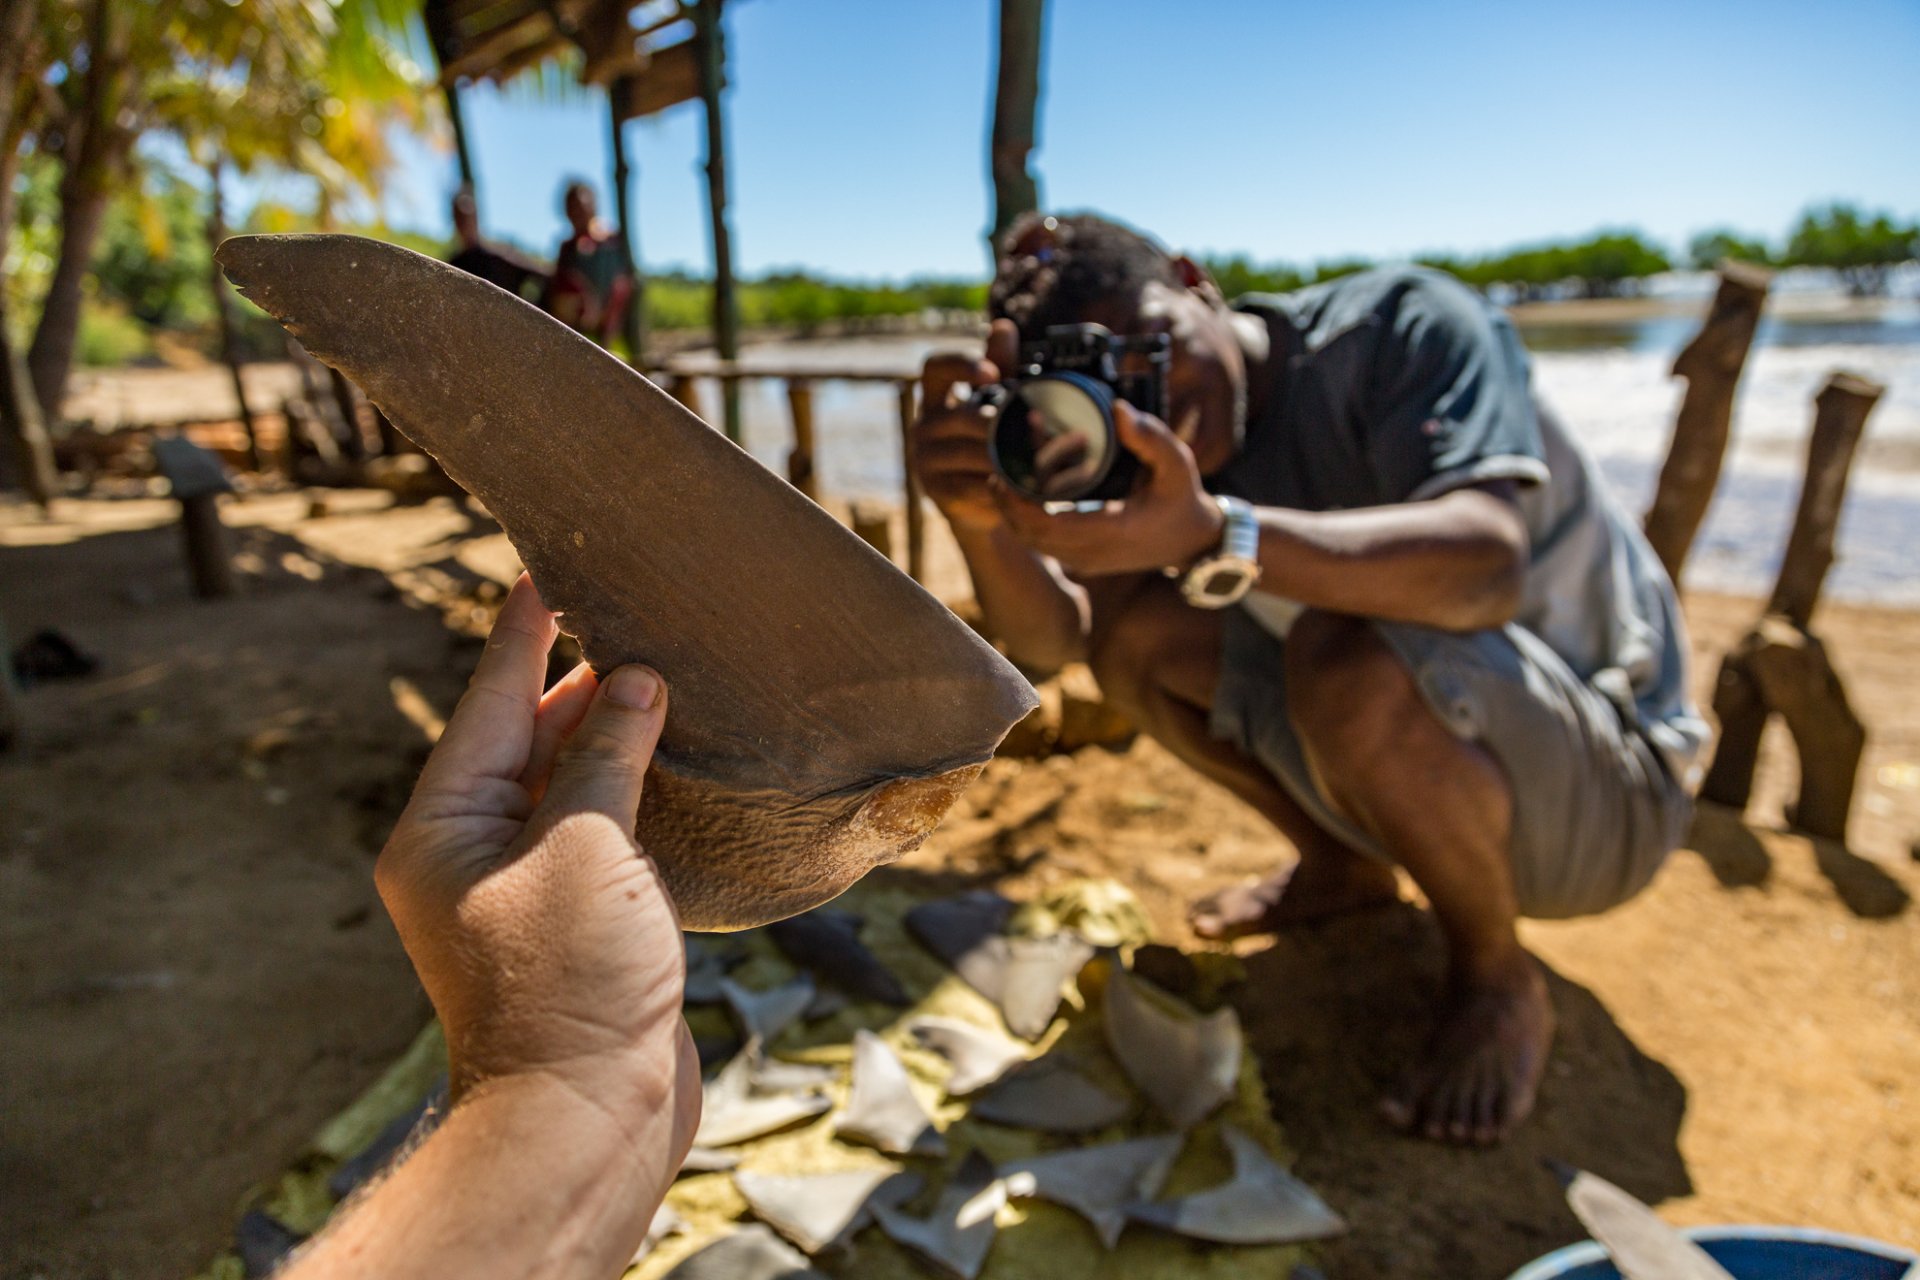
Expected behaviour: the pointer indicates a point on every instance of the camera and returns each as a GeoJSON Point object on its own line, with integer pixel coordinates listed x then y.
{"type": "Point", "coordinates": [1054, 439]}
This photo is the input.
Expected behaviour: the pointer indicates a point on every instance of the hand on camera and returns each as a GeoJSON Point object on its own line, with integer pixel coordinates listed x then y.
{"type": "Point", "coordinates": [1168, 519]}
{"type": "Point", "coordinates": [950, 440]}
{"type": "Point", "coordinates": [541, 931]}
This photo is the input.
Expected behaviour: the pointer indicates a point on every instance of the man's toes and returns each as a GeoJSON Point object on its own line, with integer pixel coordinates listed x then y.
{"type": "Point", "coordinates": [1489, 1110]}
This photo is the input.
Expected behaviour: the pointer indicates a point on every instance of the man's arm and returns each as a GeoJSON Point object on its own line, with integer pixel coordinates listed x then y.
{"type": "Point", "coordinates": [1457, 562]}
{"type": "Point", "coordinates": [526, 1177]}
{"type": "Point", "coordinates": [1027, 602]}
{"type": "Point", "coordinates": [545, 939]}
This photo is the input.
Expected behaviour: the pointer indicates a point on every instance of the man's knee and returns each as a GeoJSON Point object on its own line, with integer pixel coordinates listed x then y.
{"type": "Point", "coordinates": [1122, 656]}
{"type": "Point", "coordinates": [1156, 645]}
{"type": "Point", "coordinates": [1348, 693]}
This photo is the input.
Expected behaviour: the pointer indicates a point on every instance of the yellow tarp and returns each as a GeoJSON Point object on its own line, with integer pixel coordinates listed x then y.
{"type": "Point", "coordinates": [1035, 1240]}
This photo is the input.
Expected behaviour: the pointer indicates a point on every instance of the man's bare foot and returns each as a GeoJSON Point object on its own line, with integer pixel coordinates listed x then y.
{"type": "Point", "coordinates": [1481, 1069]}
{"type": "Point", "coordinates": [1314, 888]}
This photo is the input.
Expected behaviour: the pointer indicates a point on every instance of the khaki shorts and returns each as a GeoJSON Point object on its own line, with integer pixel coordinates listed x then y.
{"type": "Point", "coordinates": [1595, 809]}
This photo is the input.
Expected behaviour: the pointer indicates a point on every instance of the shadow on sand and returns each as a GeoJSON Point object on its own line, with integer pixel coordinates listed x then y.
{"type": "Point", "coordinates": [1739, 859]}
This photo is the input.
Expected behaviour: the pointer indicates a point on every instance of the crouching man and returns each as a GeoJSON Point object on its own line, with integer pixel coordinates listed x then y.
{"type": "Point", "coordinates": [1369, 585]}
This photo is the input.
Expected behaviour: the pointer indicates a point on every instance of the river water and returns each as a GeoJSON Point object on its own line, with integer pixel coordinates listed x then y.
{"type": "Point", "coordinates": [1611, 383]}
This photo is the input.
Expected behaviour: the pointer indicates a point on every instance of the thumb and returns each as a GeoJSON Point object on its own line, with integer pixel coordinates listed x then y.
{"type": "Point", "coordinates": [603, 766]}
{"type": "Point", "coordinates": [1150, 440]}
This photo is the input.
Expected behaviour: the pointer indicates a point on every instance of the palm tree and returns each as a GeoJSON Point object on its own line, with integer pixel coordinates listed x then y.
{"type": "Point", "coordinates": [302, 84]}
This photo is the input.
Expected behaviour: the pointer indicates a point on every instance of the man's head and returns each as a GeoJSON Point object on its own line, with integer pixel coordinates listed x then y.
{"type": "Point", "coordinates": [466, 217]}
{"type": "Point", "coordinates": [1086, 269]}
{"type": "Point", "coordinates": [580, 207]}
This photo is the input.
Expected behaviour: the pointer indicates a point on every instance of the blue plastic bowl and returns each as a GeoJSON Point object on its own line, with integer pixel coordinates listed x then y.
{"type": "Point", "coordinates": [1750, 1253]}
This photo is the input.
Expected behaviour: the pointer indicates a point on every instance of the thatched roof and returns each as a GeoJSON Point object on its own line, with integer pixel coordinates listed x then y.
{"type": "Point", "coordinates": [644, 47]}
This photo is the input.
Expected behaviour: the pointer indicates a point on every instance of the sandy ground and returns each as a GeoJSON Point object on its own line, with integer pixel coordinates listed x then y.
{"type": "Point", "coordinates": [197, 971]}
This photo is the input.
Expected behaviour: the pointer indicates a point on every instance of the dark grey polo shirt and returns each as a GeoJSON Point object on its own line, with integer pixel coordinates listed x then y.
{"type": "Point", "coordinates": [1400, 384]}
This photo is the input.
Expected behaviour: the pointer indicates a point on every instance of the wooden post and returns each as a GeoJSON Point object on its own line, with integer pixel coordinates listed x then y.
{"type": "Point", "coordinates": [1781, 666]}
{"type": "Point", "coordinates": [1016, 92]}
{"type": "Point", "coordinates": [198, 480]}
{"type": "Point", "coordinates": [711, 33]}
{"type": "Point", "coordinates": [873, 522]}
{"type": "Point", "coordinates": [460, 149]}
{"type": "Point", "coordinates": [1840, 415]}
{"type": "Point", "coordinates": [633, 323]}
{"type": "Point", "coordinates": [1711, 364]}
{"type": "Point", "coordinates": [800, 473]}
{"type": "Point", "coordinates": [229, 350]}
{"type": "Point", "coordinates": [206, 542]}
{"type": "Point", "coordinates": [683, 387]}
{"type": "Point", "coordinates": [916, 519]}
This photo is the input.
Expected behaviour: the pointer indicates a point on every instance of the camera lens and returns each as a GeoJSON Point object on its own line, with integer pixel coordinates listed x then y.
{"type": "Point", "coordinates": [1054, 440]}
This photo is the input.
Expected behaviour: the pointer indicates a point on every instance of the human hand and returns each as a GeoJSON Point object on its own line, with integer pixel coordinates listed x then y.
{"type": "Point", "coordinates": [949, 442]}
{"type": "Point", "coordinates": [541, 931]}
{"type": "Point", "coordinates": [1168, 519]}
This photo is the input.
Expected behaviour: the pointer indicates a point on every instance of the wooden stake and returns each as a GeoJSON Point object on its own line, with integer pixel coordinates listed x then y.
{"type": "Point", "coordinates": [800, 473]}
{"type": "Point", "coordinates": [916, 519]}
{"type": "Point", "coordinates": [683, 387]}
{"type": "Point", "coordinates": [873, 522]}
{"type": "Point", "coordinates": [206, 543]}
{"type": "Point", "coordinates": [1711, 364]}
{"type": "Point", "coordinates": [1781, 666]}
{"type": "Point", "coordinates": [1840, 415]}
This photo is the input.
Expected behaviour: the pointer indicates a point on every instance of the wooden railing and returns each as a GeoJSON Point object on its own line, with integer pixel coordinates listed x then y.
{"type": "Point", "coordinates": [681, 381]}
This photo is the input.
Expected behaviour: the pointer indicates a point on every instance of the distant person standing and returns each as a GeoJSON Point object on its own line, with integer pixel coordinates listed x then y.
{"type": "Point", "coordinates": [592, 280]}
{"type": "Point", "coordinates": [497, 265]}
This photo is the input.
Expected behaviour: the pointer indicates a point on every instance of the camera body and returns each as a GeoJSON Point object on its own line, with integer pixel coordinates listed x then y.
{"type": "Point", "coordinates": [1054, 439]}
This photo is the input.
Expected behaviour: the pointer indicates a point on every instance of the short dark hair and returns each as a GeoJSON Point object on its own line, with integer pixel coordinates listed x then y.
{"type": "Point", "coordinates": [1051, 268]}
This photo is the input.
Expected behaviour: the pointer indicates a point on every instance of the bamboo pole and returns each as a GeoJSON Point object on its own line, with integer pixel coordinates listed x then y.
{"type": "Point", "coordinates": [711, 32]}
{"type": "Point", "coordinates": [916, 519]}
{"type": "Point", "coordinates": [1711, 364]}
{"type": "Point", "coordinates": [800, 470]}
{"type": "Point", "coordinates": [633, 322]}
{"type": "Point", "coordinates": [223, 313]}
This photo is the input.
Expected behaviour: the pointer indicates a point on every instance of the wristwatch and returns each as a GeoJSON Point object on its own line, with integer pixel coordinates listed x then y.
{"type": "Point", "coordinates": [1224, 577]}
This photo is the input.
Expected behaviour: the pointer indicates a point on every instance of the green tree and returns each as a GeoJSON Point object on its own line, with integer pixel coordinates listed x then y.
{"type": "Point", "coordinates": [276, 81]}
{"type": "Point", "coordinates": [1710, 248]}
{"type": "Point", "coordinates": [1860, 247]}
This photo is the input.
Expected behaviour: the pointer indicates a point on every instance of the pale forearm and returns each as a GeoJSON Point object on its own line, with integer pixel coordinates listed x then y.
{"type": "Point", "coordinates": [1026, 602]}
{"type": "Point", "coordinates": [526, 1178]}
{"type": "Point", "coordinates": [1457, 562]}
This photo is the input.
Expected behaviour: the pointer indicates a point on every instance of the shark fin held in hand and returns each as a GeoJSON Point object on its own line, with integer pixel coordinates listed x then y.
{"type": "Point", "coordinates": [825, 710]}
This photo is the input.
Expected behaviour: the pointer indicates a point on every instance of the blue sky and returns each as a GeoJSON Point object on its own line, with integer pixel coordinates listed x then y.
{"type": "Point", "coordinates": [1293, 130]}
